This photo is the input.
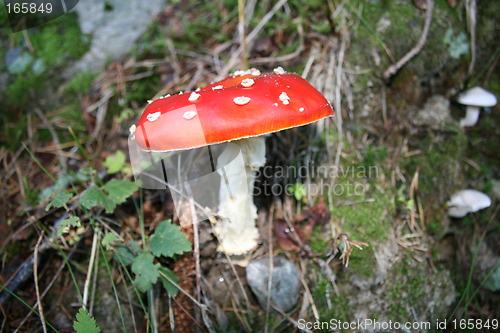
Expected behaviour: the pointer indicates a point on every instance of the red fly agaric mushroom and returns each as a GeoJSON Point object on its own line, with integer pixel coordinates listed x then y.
{"type": "Point", "coordinates": [238, 109]}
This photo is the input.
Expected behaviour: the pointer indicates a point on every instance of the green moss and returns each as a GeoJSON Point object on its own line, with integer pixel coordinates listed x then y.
{"type": "Point", "coordinates": [80, 83]}
{"type": "Point", "coordinates": [405, 290]}
{"type": "Point", "coordinates": [362, 262]}
{"type": "Point", "coordinates": [437, 163]}
{"type": "Point", "coordinates": [329, 305]}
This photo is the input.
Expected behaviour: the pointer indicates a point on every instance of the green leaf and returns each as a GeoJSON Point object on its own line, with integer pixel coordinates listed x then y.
{"type": "Point", "coordinates": [115, 163]}
{"type": "Point", "coordinates": [59, 201]}
{"type": "Point", "coordinates": [62, 182]}
{"type": "Point", "coordinates": [127, 254]}
{"type": "Point", "coordinates": [168, 240]}
{"type": "Point", "coordinates": [63, 227]}
{"type": "Point", "coordinates": [299, 191]}
{"type": "Point", "coordinates": [108, 239]}
{"type": "Point", "coordinates": [119, 190]}
{"type": "Point", "coordinates": [84, 323]}
{"type": "Point", "coordinates": [169, 287]}
{"type": "Point", "coordinates": [94, 196]}
{"type": "Point", "coordinates": [146, 272]}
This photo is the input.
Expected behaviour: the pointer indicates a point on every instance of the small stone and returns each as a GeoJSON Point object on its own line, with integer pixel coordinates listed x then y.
{"type": "Point", "coordinates": [435, 113]}
{"type": "Point", "coordinates": [285, 284]}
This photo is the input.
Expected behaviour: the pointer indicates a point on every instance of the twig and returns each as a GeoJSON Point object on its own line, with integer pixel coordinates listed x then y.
{"type": "Point", "coordinates": [37, 289]}
{"type": "Point", "coordinates": [471, 12]}
{"type": "Point", "coordinates": [55, 137]}
{"type": "Point", "coordinates": [250, 38]}
{"type": "Point", "coordinates": [270, 275]}
{"type": "Point", "coordinates": [241, 33]}
{"type": "Point", "coordinates": [95, 241]}
{"type": "Point", "coordinates": [49, 285]}
{"type": "Point", "coordinates": [417, 48]}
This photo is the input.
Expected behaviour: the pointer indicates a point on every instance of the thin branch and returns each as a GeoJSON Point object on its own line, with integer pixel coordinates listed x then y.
{"type": "Point", "coordinates": [417, 48]}
{"type": "Point", "coordinates": [37, 289]}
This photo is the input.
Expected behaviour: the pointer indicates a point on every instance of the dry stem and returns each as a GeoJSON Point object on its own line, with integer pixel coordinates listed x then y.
{"type": "Point", "coordinates": [417, 48]}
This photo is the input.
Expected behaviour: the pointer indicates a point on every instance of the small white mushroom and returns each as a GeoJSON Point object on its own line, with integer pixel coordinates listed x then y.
{"type": "Point", "coordinates": [153, 116]}
{"type": "Point", "coordinates": [279, 70]}
{"type": "Point", "coordinates": [284, 98]}
{"type": "Point", "coordinates": [189, 115]}
{"type": "Point", "coordinates": [193, 97]}
{"type": "Point", "coordinates": [475, 99]}
{"type": "Point", "coordinates": [218, 87]}
{"type": "Point", "coordinates": [241, 100]}
{"type": "Point", "coordinates": [467, 201]}
{"type": "Point", "coordinates": [247, 83]}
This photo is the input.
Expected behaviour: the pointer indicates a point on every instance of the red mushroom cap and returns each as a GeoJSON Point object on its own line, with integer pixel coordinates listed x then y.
{"type": "Point", "coordinates": [234, 108]}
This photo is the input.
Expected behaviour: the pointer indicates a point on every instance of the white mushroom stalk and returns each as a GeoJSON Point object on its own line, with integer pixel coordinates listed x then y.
{"type": "Point", "coordinates": [471, 116]}
{"type": "Point", "coordinates": [236, 231]}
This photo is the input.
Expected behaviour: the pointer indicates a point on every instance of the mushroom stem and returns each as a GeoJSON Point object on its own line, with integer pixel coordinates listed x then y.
{"type": "Point", "coordinates": [238, 165]}
{"type": "Point", "coordinates": [471, 116]}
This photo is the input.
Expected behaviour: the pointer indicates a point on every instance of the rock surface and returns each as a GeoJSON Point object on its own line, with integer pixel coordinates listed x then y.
{"type": "Point", "coordinates": [285, 282]}
{"type": "Point", "coordinates": [114, 25]}
{"type": "Point", "coordinates": [435, 113]}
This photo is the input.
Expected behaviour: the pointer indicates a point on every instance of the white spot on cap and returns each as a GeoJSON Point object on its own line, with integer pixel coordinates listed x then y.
{"type": "Point", "coordinates": [242, 100]}
{"type": "Point", "coordinates": [132, 129]}
{"type": "Point", "coordinates": [198, 89]}
{"type": "Point", "coordinates": [167, 95]}
{"type": "Point", "coordinates": [254, 71]}
{"type": "Point", "coordinates": [218, 87]}
{"type": "Point", "coordinates": [239, 73]}
{"type": "Point", "coordinates": [150, 101]}
{"type": "Point", "coordinates": [189, 115]}
{"type": "Point", "coordinates": [301, 109]}
{"type": "Point", "coordinates": [180, 92]}
{"type": "Point", "coordinates": [284, 98]}
{"type": "Point", "coordinates": [279, 70]}
{"type": "Point", "coordinates": [247, 83]}
{"type": "Point", "coordinates": [153, 116]}
{"type": "Point", "coordinates": [193, 97]}
{"type": "Point", "coordinates": [275, 104]}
